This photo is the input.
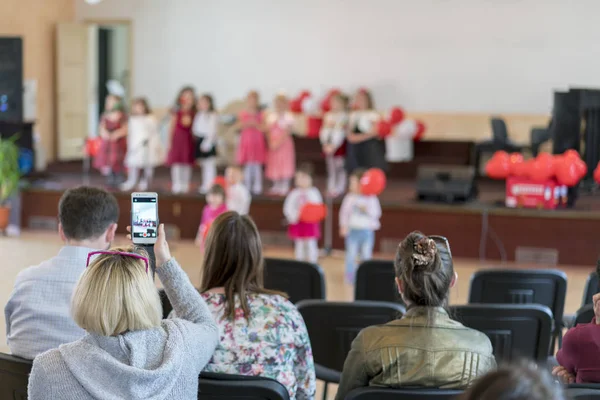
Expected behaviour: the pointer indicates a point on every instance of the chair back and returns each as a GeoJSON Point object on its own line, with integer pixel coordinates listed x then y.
{"type": "Point", "coordinates": [300, 280]}
{"type": "Point", "coordinates": [165, 302]}
{"type": "Point", "coordinates": [499, 131]}
{"type": "Point", "coordinates": [376, 393]}
{"type": "Point", "coordinates": [584, 315]}
{"type": "Point", "coordinates": [515, 330]}
{"type": "Point", "coordinates": [375, 281]}
{"type": "Point", "coordinates": [14, 375]}
{"type": "Point", "coordinates": [332, 326]}
{"type": "Point", "coordinates": [503, 286]}
{"type": "Point", "coordinates": [582, 394]}
{"type": "Point", "coordinates": [591, 288]}
{"type": "Point", "coordinates": [214, 386]}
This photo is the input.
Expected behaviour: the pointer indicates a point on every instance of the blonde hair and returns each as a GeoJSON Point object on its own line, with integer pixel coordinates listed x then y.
{"type": "Point", "coordinates": [115, 294]}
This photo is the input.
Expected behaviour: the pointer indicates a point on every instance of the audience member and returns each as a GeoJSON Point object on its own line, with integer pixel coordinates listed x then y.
{"type": "Point", "coordinates": [128, 352]}
{"type": "Point", "coordinates": [580, 351]}
{"type": "Point", "coordinates": [425, 347]}
{"type": "Point", "coordinates": [516, 382]}
{"type": "Point", "coordinates": [37, 313]}
{"type": "Point", "coordinates": [262, 333]}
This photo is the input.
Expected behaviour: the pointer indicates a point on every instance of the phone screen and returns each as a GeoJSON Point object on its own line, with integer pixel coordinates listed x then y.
{"type": "Point", "coordinates": [144, 217]}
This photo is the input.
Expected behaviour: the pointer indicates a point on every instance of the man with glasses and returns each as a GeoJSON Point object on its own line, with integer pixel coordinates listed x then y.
{"type": "Point", "coordinates": [38, 314]}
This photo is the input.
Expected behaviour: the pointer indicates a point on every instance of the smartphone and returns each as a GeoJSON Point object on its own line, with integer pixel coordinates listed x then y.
{"type": "Point", "coordinates": [144, 217]}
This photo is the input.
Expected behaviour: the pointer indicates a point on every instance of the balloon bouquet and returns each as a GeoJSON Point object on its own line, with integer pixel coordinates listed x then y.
{"type": "Point", "coordinates": [306, 104]}
{"type": "Point", "coordinates": [546, 174]}
{"type": "Point", "coordinates": [397, 125]}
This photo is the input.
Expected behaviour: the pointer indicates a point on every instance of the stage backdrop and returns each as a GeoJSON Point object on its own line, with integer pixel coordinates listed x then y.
{"type": "Point", "coordinates": [429, 55]}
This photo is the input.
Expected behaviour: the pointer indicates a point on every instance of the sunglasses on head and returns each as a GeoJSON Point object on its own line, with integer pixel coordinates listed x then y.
{"type": "Point", "coordinates": [116, 253]}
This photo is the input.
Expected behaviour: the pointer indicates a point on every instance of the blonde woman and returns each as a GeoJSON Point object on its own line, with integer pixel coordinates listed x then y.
{"type": "Point", "coordinates": [128, 352]}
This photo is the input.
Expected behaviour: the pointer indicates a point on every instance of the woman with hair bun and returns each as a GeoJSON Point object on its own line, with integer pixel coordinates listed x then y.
{"type": "Point", "coordinates": [425, 347]}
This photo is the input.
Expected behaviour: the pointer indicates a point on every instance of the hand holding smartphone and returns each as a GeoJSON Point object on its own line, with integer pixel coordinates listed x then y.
{"type": "Point", "coordinates": [144, 218]}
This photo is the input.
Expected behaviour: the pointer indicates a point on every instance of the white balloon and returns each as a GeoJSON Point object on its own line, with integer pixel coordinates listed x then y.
{"type": "Point", "coordinates": [309, 105]}
{"type": "Point", "coordinates": [407, 129]}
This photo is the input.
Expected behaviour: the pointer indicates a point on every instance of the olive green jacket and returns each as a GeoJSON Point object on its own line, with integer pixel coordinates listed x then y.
{"type": "Point", "coordinates": [417, 350]}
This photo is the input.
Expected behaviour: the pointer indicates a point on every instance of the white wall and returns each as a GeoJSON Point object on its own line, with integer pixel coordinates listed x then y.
{"type": "Point", "coordinates": [427, 55]}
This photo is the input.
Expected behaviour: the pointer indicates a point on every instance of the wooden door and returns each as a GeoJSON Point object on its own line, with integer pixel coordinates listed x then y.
{"type": "Point", "coordinates": [72, 85]}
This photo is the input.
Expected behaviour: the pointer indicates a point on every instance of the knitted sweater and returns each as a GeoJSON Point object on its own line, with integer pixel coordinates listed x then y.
{"type": "Point", "coordinates": [158, 363]}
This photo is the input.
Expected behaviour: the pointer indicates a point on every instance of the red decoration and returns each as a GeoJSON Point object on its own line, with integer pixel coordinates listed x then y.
{"type": "Point", "coordinates": [542, 168]}
{"type": "Point", "coordinates": [572, 153]}
{"type": "Point", "coordinates": [326, 102]}
{"type": "Point", "coordinates": [296, 105]}
{"type": "Point", "coordinates": [420, 131]}
{"type": "Point", "coordinates": [313, 213]}
{"type": "Point", "coordinates": [396, 115]}
{"type": "Point", "coordinates": [514, 160]}
{"type": "Point", "coordinates": [568, 173]}
{"type": "Point", "coordinates": [580, 166]}
{"type": "Point", "coordinates": [498, 167]}
{"type": "Point", "coordinates": [372, 182]}
{"type": "Point", "coordinates": [221, 181]}
{"type": "Point", "coordinates": [313, 126]}
{"type": "Point", "coordinates": [92, 146]}
{"type": "Point", "coordinates": [384, 128]}
{"type": "Point", "coordinates": [597, 173]}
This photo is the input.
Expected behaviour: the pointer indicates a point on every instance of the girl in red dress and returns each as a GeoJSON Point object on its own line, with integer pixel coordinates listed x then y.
{"type": "Point", "coordinates": [113, 146]}
{"type": "Point", "coordinates": [252, 150]}
{"type": "Point", "coordinates": [181, 150]}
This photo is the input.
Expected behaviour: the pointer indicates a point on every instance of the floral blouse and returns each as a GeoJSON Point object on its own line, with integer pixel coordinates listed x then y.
{"type": "Point", "coordinates": [274, 343]}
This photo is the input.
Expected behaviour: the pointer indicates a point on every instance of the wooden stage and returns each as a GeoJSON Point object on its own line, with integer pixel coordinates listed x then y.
{"type": "Point", "coordinates": [482, 229]}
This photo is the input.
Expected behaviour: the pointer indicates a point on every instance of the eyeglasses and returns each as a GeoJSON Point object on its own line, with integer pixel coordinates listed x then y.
{"type": "Point", "coordinates": [116, 253]}
{"type": "Point", "coordinates": [442, 240]}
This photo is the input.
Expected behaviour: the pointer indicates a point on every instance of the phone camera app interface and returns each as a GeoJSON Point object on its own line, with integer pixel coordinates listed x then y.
{"type": "Point", "coordinates": [144, 217]}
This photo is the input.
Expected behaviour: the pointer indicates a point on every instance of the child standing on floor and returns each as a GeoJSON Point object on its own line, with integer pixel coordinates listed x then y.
{"type": "Point", "coordinates": [215, 206]}
{"type": "Point", "coordinates": [205, 133]}
{"type": "Point", "coordinates": [304, 234]}
{"type": "Point", "coordinates": [238, 195]}
{"type": "Point", "coordinates": [113, 146]}
{"type": "Point", "coordinates": [144, 149]}
{"type": "Point", "coordinates": [359, 219]}
{"type": "Point", "coordinates": [181, 151]}
{"type": "Point", "coordinates": [281, 158]}
{"type": "Point", "coordinates": [252, 150]}
{"type": "Point", "coordinates": [333, 139]}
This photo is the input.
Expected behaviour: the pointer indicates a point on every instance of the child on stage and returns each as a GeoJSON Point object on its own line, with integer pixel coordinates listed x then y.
{"type": "Point", "coordinates": [113, 146]}
{"type": "Point", "coordinates": [205, 133]}
{"type": "Point", "coordinates": [144, 149]}
{"type": "Point", "coordinates": [215, 206]}
{"type": "Point", "coordinates": [359, 219]}
{"type": "Point", "coordinates": [238, 195]}
{"type": "Point", "coordinates": [181, 151]}
{"type": "Point", "coordinates": [252, 150]}
{"type": "Point", "coordinates": [333, 140]}
{"type": "Point", "coordinates": [304, 234]}
{"type": "Point", "coordinates": [281, 158]}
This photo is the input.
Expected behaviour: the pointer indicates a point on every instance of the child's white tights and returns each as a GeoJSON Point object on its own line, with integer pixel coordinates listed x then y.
{"type": "Point", "coordinates": [306, 250]}
{"type": "Point", "coordinates": [134, 175]}
{"type": "Point", "coordinates": [253, 177]}
{"type": "Point", "coordinates": [336, 175]}
{"type": "Point", "coordinates": [181, 175]}
{"type": "Point", "coordinates": [209, 173]}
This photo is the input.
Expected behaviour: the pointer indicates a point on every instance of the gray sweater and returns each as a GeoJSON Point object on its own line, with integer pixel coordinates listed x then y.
{"type": "Point", "coordinates": [158, 363]}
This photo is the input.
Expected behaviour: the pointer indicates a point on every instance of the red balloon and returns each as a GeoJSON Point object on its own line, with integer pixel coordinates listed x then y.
{"type": "Point", "coordinates": [514, 160]}
{"type": "Point", "coordinates": [420, 131]}
{"type": "Point", "coordinates": [296, 105]}
{"type": "Point", "coordinates": [597, 173]}
{"type": "Point", "coordinates": [384, 128]}
{"type": "Point", "coordinates": [542, 168]}
{"type": "Point", "coordinates": [396, 115]}
{"type": "Point", "coordinates": [313, 126]}
{"type": "Point", "coordinates": [498, 167]}
{"type": "Point", "coordinates": [304, 94]}
{"type": "Point", "coordinates": [567, 172]}
{"type": "Point", "coordinates": [580, 167]}
{"type": "Point", "coordinates": [221, 181]}
{"type": "Point", "coordinates": [313, 213]}
{"type": "Point", "coordinates": [572, 153]}
{"type": "Point", "coordinates": [372, 182]}
{"type": "Point", "coordinates": [92, 146]}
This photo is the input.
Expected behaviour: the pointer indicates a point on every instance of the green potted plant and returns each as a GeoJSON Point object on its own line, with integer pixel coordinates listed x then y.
{"type": "Point", "coordinates": [9, 177]}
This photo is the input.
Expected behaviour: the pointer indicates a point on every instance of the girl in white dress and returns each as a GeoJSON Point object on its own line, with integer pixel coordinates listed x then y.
{"type": "Point", "coordinates": [333, 141]}
{"type": "Point", "coordinates": [144, 148]}
{"type": "Point", "coordinates": [205, 136]}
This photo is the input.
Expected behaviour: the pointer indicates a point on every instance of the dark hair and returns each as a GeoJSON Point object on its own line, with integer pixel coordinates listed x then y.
{"type": "Point", "coordinates": [306, 168]}
{"type": "Point", "coordinates": [144, 103]}
{"type": "Point", "coordinates": [87, 212]}
{"type": "Point", "coordinates": [425, 268]}
{"type": "Point", "coordinates": [358, 173]}
{"type": "Point", "coordinates": [217, 189]}
{"type": "Point", "coordinates": [181, 92]}
{"type": "Point", "coordinates": [523, 381]}
{"type": "Point", "coordinates": [211, 103]}
{"type": "Point", "coordinates": [343, 98]}
{"type": "Point", "coordinates": [367, 94]}
{"type": "Point", "coordinates": [233, 260]}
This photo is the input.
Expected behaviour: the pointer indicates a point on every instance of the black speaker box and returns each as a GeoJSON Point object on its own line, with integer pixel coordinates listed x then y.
{"type": "Point", "coordinates": [446, 183]}
{"type": "Point", "coordinates": [11, 79]}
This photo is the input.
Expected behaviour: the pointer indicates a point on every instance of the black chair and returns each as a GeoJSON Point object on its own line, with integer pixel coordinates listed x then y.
{"type": "Point", "coordinates": [214, 386]}
{"type": "Point", "coordinates": [592, 286]}
{"type": "Point", "coordinates": [14, 375]}
{"type": "Point", "coordinates": [332, 327]}
{"type": "Point", "coordinates": [504, 286]}
{"type": "Point", "coordinates": [377, 393]}
{"type": "Point", "coordinates": [499, 141]}
{"type": "Point", "coordinates": [300, 280]}
{"type": "Point", "coordinates": [515, 330]}
{"type": "Point", "coordinates": [583, 392]}
{"type": "Point", "coordinates": [165, 302]}
{"type": "Point", "coordinates": [375, 281]}
{"type": "Point", "coordinates": [539, 136]}
{"type": "Point", "coordinates": [584, 315]}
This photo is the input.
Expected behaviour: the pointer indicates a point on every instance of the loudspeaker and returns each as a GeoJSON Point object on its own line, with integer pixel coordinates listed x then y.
{"type": "Point", "coordinates": [446, 183]}
{"type": "Point", "coordinates": [11, 79]}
